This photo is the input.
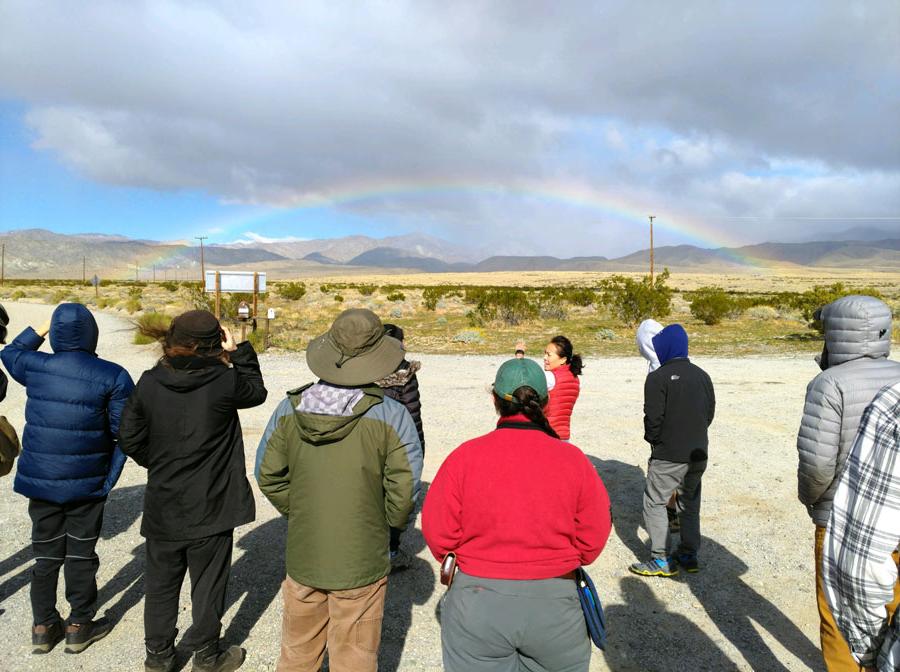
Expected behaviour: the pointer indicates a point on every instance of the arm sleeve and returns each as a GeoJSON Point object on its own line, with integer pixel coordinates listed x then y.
{"type": "Point", "coordinates": [134, 428]}
{"type": "Point", "coordinates": [284, 408]}
{"type": "Point", "coordinates": [654, 408]}
{"type": "Point", "coordinates": [4, 383]}
{"type": "Point", "coordinates": [442, 512]}
{"type": "Point", "coordinates": [117, 399]}
{"type": "Point", "coordinates": [274, 476]}
{"type": "Point", "coordinates": [712, 402]}
{"type": "Point", "coordinates": [249, 390]}
{"type": "Point", "coordinates": [16, 355]}
{"type": "Point", "coordinates": [818, 441]}
{"type": "Point", "coordinates": [593, 520]}
{"type": "Point", "coordinates": [858, 570]}
{"type": "Point", "coordinates": [402, 468]}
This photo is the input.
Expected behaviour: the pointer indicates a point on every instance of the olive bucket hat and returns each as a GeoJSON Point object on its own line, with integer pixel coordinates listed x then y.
{"type": "Point", "coordinates": [355, 351]}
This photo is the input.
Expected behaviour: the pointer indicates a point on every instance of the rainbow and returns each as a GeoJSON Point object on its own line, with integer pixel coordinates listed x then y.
{"type": "Point", "coordinates": [568, 194]}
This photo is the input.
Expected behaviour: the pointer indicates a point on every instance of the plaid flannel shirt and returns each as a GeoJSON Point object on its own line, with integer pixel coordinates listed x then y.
{"type": "Point", "coordinates": [864, 529]}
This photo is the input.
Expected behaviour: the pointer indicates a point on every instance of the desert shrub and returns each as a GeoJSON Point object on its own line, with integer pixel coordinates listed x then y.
{"type": "Point", "coordinates": [467, 337]}
{"type": "Point", "coordinates": [510, 306]}
{"type": "Point", "coordinates": [196, 296]}
{"type": "Point", "coordinates": [59, 296]}
{"type": "Point", "coordinates": [366, 290]}
{"type": "Point", "coordinates": [604, 334]}
{"type": "Point", "coordinates": [550, 304]}
{"type": "Point", "coordinates": [169, 285]}
{"type": "Point", "coordinates": [325, 289]}
{"type": "Point", "coordinates": [431, 295]}
{"type": "Point", "coordinates": [810, 301]}
{"type": "Point", "coordinates": [580, 296]}
{"type": "Point", "coordinates": [396, 295]}
{"type": "Point", "coordinates": [473, 295]}
{"type": "Point", "coordinates": [132, 305]}
{"type": "Point", "coordinates": [338, 298]}
{"type": "Point", "coordinates": [635, 300]}
{"type": "Point", "coordinates": [135, 292]}
{"type": "Point", "coordinates": [152, 320]}
{"type": "Point", "coordinates": [763, 312]}
{"type": "Point", "coordinates": [396, 313]}
{"type": "Point", "coordinates": [711, 304]}
{"type": "Point", "coordinates": [18, 294]}
{"type": "Point", "coordinates": [257, 340]}
{"type": "Point", "coordinates": [103, 302]}
{"type": "Point", "coordinates": [291, 291]}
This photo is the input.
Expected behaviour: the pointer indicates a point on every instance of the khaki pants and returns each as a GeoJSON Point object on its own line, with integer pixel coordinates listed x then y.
{"type": "Point", "coordinates": [835, 651]}
{"type": "Point", "coordinates": [348, 621]}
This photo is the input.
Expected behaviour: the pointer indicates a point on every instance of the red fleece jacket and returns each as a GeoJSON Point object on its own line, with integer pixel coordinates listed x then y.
{"type": "Point", "coordinates": [517, 504]}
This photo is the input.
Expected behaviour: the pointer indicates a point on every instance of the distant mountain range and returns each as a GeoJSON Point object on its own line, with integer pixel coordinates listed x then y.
{"type": "Point", "coordinates": [35, 253]}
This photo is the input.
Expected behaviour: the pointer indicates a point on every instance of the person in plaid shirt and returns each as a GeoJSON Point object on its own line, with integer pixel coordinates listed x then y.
{"type": "Point", "coordinates": [860, 556]}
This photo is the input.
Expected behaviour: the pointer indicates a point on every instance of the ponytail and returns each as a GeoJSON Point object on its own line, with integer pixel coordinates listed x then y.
{"type": "Point", "coordinates": [527, 402]}
{"type": "Point", "coordinates": [564, 349]}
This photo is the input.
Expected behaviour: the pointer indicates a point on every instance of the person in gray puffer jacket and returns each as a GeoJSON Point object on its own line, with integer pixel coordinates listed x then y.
{"type": "Point", "coordinates": [855, 366]}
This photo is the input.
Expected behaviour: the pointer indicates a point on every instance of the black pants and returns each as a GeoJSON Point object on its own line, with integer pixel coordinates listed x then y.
{"type": "Point", "coordinates": [65, 535]}
{"type": "Point", "coordinates": [208, 561]}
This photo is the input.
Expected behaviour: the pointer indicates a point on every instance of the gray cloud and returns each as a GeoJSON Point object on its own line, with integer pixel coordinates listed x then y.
{"type": "Point", "coordinates": [713, 110]}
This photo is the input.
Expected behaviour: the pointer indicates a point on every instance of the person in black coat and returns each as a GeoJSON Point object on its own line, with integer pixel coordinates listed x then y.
{"type": "Point", "coordinates": [679, 406]}
{"type": "Point", "coordinates": [403, 386]}
{"type": "Point", "coordinates": [182, 425]}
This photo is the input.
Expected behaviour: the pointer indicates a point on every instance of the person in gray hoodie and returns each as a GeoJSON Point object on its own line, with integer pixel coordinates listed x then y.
{"type": "Point", "coordinates": [855, 366]}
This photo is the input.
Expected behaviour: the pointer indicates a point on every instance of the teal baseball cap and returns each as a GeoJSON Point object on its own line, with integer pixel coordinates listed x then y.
{"type": "Point", "coordinates": [516, 373]}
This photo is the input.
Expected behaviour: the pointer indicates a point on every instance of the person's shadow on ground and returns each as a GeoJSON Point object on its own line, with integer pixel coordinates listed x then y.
{"type": "Point", "coordinates": [734, 606]}
{"type": "Point", "coordinates": [405, 589]}
{"type": "Point", "coordinates": [123, 507]}
{"type": "Point", "coordinates": [643, 617]}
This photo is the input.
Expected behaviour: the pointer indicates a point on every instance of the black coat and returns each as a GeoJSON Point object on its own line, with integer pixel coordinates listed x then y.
{"type": "Point", "coordinates": [679, 405]}
{"type": "Point", "coordinates": [181, 423]}
{"type": "Point", "coordinates": [403, 386]}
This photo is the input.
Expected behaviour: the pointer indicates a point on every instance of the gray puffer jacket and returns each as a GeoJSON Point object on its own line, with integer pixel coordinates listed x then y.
{"type": "Point", "coordinates": [855, 367]}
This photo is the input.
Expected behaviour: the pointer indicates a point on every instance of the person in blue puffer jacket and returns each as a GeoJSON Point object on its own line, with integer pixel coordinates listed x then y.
{"type": "Point", "coordinates": [69, 463]}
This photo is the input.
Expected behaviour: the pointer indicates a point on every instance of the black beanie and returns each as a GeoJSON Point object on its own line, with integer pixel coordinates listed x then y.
{"type": "Point", "coordinates": [200, 327]}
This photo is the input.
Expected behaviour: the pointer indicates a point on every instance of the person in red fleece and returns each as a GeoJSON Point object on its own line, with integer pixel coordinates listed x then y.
{"type": "Point", "coordinates": [521, 510]}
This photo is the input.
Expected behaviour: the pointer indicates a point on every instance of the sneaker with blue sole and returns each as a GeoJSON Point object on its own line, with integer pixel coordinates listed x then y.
{"type": "Point", "coordinates": [655, 567]}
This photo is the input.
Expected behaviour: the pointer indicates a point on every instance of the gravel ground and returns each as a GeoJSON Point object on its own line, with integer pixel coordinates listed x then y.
{"type": "Point", "coordinates": [751, 608]}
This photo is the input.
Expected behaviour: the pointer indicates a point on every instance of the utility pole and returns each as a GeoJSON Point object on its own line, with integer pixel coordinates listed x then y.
{"type": "Point", "coordinates": [652, 217]}
{"type": "Point", "coordinates": [154, 272]}
{"type": "Point", "coordinates": [137, 270]}
{"type": "Point", "coordinates": [202, 265]}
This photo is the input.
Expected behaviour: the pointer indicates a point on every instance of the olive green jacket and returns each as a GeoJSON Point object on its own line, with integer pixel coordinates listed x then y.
{"type": "Point", "coordinates": [342, 481]}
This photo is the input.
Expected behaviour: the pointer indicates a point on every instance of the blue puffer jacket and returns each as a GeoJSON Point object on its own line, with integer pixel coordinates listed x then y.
{"type": "Point", "coordinates": [72, 414]}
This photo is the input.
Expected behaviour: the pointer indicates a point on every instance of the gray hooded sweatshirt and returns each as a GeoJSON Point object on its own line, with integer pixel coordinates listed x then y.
{"type": "Point", "coordinates": [855, 367]}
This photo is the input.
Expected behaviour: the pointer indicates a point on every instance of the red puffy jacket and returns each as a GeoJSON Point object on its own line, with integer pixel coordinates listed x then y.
{"type": "Point", "coordinates": [562, 400]}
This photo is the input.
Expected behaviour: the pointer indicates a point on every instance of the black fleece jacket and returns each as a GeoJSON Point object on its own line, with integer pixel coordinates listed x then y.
{"type": "Point", "coordinates": [181, 423]}
{"type": "Point", "coordinates": [679, 405]}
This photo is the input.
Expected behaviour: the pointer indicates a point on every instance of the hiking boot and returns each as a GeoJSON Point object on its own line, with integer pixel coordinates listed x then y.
{"type": "Point", "coordinates": [160, 661]}
{"type": "Point", "coordinates": [400, 560]}
{"type": "Point", "coordinates": [80, 636]}
{"type": "Point", "coordinates": [655, 567]}
{"type": "Point", "coordinates": [688, 562]}
{"type": "Point", "coordinates": [213, 659]}
{"type": "Point", "coordinates": [45, 637]}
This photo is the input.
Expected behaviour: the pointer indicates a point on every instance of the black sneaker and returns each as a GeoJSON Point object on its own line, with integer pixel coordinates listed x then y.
{"type": "Point", "coordinates": [688, 562]}
{"type": "Point", "coordinates": [213, 659]}
{"type": "Point", "coordinates": [80, 636]}
{"type": "Point", "coordinates": [160, 661]}
{"type": "Point", "coordinates": [45, 637]}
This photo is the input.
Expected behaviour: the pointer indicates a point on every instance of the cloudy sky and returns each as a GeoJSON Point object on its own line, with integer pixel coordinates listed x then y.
{"type": "Point", "coordinates": [511, 126]}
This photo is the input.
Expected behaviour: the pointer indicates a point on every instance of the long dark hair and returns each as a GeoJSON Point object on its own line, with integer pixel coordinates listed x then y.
{"type": "Point", "coordinates": [564, 349]}
{"type": "Point", "coordinates": [527, 402]}
{"type": "Point", "coordinates": [173, 346]}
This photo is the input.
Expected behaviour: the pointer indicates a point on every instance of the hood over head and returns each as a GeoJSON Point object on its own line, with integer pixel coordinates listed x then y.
{"type": "Point", "coordinates": [644, 339]}
{"type": "Point", "coordinates": [671, 343]}
{"type": "Point", "coordinates": [855, 326]}
{"type": "Point", "coordinates": [73, 328]}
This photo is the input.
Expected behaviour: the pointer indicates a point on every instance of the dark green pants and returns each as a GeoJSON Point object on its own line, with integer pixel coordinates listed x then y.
{"type": "Point", "coordinates": [496, 625]}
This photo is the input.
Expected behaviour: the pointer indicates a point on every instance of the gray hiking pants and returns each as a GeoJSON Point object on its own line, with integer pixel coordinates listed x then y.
{"type": "Point", "coordinates": [664, 478]}
{"type": "Point", "coordinates": [498, 625]}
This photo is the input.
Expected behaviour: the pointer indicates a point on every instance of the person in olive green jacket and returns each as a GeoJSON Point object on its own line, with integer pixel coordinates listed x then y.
{"type": "Point", "coordinates": [343, 463]}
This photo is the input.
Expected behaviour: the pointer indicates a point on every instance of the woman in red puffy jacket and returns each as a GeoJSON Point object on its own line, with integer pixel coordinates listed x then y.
{"type": "Point", "coordinates": [562, 367]}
